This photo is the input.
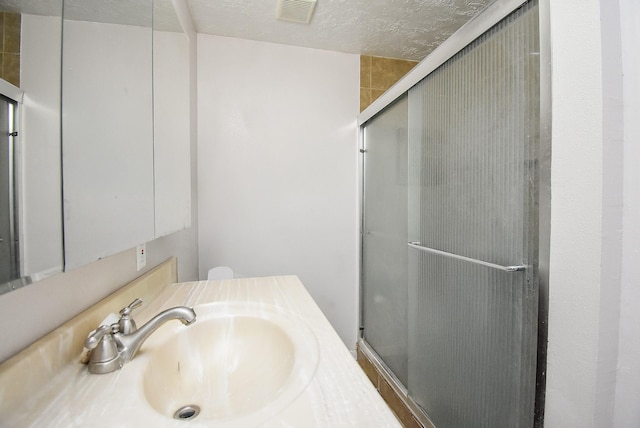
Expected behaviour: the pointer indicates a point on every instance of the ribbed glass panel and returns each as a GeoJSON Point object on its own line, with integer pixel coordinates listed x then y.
{"type": "Point", "coordinates": [384, 278]}
{"type": "Point", "coordinates": [473, 149]}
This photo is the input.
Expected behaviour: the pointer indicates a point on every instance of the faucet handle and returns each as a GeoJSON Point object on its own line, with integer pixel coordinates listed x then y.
{"type": "Point", "coordinates": [126, 324]}
{"type": "Point", "coordinates": [127, 310]}
{"type": "Point", "coordinates": [96, 336]}
{"type": "Point", "coordinates": [105, 357]}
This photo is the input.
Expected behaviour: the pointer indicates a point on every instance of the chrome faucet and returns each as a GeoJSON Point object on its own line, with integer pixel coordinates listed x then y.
{"type": "Point", "coordinates": [114, 345]}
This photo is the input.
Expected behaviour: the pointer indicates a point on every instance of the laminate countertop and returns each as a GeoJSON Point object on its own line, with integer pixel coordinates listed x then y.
{"type": "Point", "coordinates": [329, 391]}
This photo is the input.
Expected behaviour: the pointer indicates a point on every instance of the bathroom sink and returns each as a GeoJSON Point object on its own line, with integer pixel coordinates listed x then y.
{"type": "Point", "coordinates": [236, 364]}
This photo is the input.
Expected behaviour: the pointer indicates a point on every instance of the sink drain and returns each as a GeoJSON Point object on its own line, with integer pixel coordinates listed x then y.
{"type": "Point", "coordinates": [186, 413]}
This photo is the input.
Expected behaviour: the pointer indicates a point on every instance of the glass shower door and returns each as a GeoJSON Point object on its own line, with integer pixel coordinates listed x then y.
{"type": "Point", "coordinates": [384, 241]}
{"type": "Point", "coordinates": [9, 261]}
{"type": "Point", "coordinates": [450, 232]}
{"type": "Point", "coordinates": [472, 316]}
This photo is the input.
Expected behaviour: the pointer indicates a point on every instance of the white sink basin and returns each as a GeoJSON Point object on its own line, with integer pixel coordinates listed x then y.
{"type": "Point", "coordinates": [239, 363]}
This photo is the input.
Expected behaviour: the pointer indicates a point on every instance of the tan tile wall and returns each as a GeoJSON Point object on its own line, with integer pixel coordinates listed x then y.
{"type": "Point", "coordinates": [378, 74]}
{"type": "Point", "coordinates": [393, 400]}
{"type": "Point", "coordinates": [10, 24]}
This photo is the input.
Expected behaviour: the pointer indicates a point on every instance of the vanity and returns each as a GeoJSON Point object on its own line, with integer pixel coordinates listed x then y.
{"type": "Point", "coordinates": [260, 353]}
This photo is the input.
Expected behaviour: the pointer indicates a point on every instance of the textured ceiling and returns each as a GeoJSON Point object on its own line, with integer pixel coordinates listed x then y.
{"type": "Point", "coordinates": [34, 7]}
{"type": "Point", "coordinates": [407, 29]}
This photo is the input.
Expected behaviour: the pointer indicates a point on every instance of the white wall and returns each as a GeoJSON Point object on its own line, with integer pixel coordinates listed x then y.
{"type": "Point", "coordinates": [576, 214]}
{"type": "Point", "coordinates": [627, 408]}
{"type": "Point", "coordinates": [593, 348]}
{"type": "Point", "coordinates": [277, 160]}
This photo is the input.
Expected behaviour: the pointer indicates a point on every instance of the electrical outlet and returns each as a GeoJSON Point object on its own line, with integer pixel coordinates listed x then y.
{"type": "Point", "coordinates": [141, 256]}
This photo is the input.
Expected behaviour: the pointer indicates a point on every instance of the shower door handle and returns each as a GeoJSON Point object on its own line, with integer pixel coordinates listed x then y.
{"type": "Point", "coordinates": [417, 245]}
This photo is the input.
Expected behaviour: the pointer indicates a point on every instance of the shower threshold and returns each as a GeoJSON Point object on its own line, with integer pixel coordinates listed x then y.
{"type": "Point", "coordinates": [390, 388]}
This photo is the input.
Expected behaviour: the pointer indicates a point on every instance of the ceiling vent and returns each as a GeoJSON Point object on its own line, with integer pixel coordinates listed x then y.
{"type": "Point", "coordinates": [296, 10]}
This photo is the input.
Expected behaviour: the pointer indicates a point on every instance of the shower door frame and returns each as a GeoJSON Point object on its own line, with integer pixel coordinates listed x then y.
{"type": "Point", "coordinates": [16, 96]}
{"type": "Point", "coordinates": [13, 96]}
{"type": "Point", "coordinates": [473, 29]}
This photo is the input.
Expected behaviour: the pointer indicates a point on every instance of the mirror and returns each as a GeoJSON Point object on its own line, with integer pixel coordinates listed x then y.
{"type": "Point", "coordinates": [31, 236]}
{"type": "Point", "coordinates": [123, 185]}
{"type": "Point", "coordinates": [171, 136]}
{"type": "Point", "coordinates": [107, 128]}
{"type": "Point", "coordinates": [126, 127]}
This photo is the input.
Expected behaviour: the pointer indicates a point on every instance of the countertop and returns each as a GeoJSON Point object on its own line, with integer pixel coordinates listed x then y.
{"type": "Point", "coordinates": [337, 395]}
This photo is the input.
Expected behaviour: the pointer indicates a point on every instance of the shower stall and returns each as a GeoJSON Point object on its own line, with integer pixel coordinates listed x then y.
{"type": "Point", "coordinates": [450, 279]}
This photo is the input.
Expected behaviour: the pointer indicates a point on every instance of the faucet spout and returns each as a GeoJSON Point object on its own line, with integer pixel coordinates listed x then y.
{"type": "Point", "coordinates": [129, 344]}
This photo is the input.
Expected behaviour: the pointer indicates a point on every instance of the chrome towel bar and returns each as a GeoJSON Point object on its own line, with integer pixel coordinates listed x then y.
{"type": "Point", "coordinates": [417, 246]}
